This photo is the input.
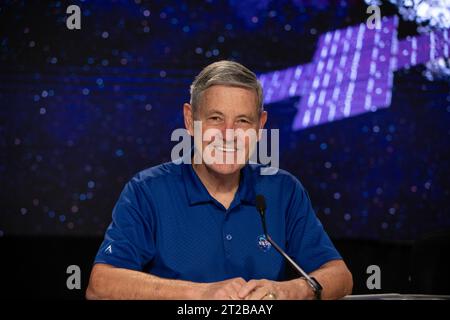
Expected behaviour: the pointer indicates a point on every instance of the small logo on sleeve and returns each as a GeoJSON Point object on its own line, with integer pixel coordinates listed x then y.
{"type": "Point", "coordinates": [263, 243]}
{"type": "Point", "coordinates": [108, 249]}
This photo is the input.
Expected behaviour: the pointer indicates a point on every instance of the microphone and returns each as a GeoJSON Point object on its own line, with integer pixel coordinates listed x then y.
{"type": "Point", "coordinates": [313, 283]}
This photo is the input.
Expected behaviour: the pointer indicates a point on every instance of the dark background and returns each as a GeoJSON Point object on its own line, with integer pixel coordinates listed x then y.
{"type": "Point", "coordinates": [83, 111]}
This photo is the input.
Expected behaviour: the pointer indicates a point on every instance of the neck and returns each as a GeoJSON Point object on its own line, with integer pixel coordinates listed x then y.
{"type": "Point", "coordinates": [215, 183]}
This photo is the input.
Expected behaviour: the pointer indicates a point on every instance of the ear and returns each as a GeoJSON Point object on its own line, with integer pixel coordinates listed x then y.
{"type": "Point", "coordinates": [262, 119]}
{"type": "Point", "coordinates": [188, 118]}
{"type": "Point", "coordinates": [262, 123]}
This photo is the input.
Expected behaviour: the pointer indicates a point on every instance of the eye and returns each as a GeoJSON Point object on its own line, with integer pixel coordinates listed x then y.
{"type": "Point", "coordinates": [214, 118]}
{"type": "Point", "coordinates": [243, 121]}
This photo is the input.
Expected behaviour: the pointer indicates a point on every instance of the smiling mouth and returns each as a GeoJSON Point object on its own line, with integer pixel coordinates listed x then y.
{"type": "Point", "coordinates": [225, 149]}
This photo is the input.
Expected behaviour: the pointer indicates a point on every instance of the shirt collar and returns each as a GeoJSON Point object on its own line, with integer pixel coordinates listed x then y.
{"type": "Point", "coordinates": [197, 192]}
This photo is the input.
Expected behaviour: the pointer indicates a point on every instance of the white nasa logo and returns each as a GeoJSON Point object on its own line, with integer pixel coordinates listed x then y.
{"type": "Point", "coordinates": [263, 243]}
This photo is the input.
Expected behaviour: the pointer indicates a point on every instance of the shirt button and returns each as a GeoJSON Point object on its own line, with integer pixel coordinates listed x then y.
{"type": "Point", "coordinates": [229, 237]}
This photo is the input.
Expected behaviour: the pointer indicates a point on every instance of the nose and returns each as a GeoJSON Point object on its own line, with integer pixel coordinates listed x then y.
{"type": "Point", "coordinates": [230, 126]}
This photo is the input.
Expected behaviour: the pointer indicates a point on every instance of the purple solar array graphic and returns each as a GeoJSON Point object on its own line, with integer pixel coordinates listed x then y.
{"type": "Point", "coordinates": [351, 72]}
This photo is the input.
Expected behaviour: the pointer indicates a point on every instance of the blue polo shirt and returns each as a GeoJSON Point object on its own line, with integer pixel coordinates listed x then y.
{"type": "Point", "coordinates": [166, 223]}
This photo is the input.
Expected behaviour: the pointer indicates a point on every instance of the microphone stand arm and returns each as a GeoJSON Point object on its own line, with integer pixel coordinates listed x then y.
{"type": "Point", "coordinates": [312, 282]}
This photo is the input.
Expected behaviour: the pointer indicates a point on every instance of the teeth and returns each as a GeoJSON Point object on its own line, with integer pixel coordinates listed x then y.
{"type": "Point", "coordinates": [225, 149]}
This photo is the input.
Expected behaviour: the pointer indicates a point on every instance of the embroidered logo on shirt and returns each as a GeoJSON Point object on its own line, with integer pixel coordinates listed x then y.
{"type": "Point", "coordinates": [108, 249]}
{"type": "Point", "coordinates": [263, 243]}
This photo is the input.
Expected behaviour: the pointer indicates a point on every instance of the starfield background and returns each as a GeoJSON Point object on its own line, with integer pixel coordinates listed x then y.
{"type": "Point", "coordinates": [362, 124]}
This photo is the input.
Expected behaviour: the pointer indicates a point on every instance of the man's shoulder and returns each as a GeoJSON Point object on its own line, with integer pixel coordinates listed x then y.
{"type": "Point", "coordinates": [166, 170]}
{"type": "Point", "coordinates": [271, 175]}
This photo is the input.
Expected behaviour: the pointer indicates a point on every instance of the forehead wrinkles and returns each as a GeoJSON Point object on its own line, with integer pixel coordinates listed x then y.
{"type": "Point", "coordinates": [235, 100]}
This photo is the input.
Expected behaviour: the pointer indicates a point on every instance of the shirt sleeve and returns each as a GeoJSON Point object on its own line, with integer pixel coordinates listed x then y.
{"type": "Point", "coordinates": [129, 239]}
{"type": "Point", "coordinates": [307, 242]}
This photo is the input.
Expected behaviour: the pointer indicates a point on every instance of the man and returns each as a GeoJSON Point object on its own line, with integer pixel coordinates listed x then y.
{"type": "Point", "coordinates": [191, 231]}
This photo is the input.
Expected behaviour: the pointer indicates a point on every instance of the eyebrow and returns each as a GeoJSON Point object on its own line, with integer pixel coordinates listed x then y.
{"type": "Point", "coordinates": [214, 111]}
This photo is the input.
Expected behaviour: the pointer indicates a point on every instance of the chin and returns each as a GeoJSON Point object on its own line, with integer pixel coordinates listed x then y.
{"type": "Point", "coordinates": [225, 169]}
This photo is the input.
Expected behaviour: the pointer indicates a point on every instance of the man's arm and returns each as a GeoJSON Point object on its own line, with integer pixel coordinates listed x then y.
{"type": "Point", "coordinates": [334, 277]}
{"type": "Point", "coordinates": [108, 282]}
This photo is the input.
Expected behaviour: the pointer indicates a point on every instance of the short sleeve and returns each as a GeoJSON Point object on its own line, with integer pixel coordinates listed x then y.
{"type": "Point", "coordinates": [129, 239]}
{"type": "Point", "coordinates": [307, 242]}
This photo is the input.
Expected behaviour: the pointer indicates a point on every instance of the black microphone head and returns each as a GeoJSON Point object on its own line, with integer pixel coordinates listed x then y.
{"type": "Point", "coordinates": [260, 203]}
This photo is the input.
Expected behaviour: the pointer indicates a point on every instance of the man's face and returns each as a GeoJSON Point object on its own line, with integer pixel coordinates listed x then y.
{"type": "Point", "coordinates": [221, 108]}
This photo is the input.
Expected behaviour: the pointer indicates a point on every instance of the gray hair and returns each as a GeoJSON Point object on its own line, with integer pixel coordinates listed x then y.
{"type": "Point", "coordinates": [228, 73]}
